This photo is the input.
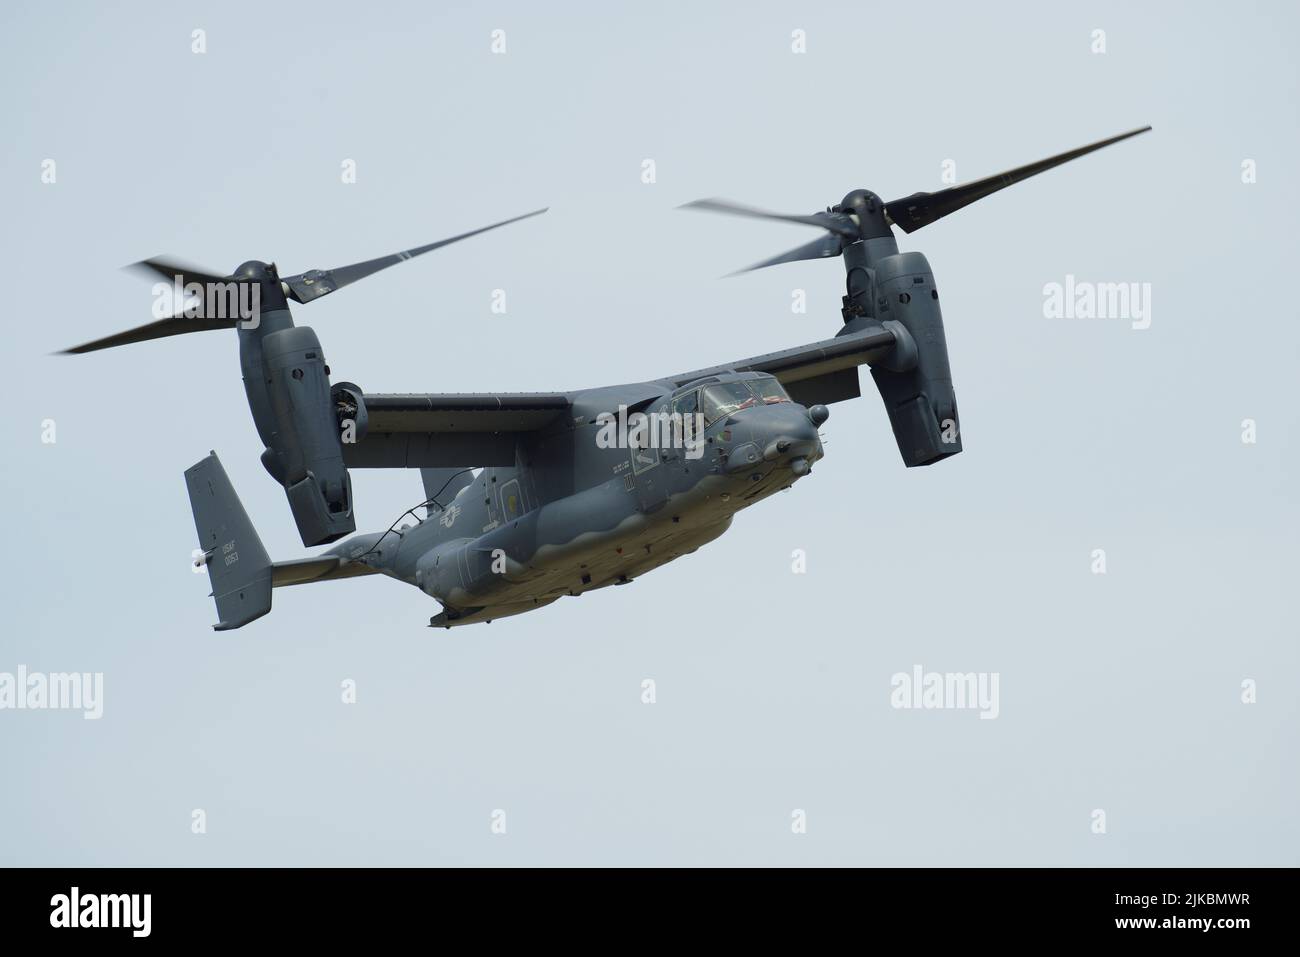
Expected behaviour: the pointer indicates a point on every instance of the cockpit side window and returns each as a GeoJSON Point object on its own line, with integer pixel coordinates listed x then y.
{"type": "Point", "coordinates": [685, 409]}
{"type": "Point", "coordinates": [687, 403]}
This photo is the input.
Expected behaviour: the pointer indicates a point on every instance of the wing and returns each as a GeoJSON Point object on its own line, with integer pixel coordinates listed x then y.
{"type": "Point", "coordinates": [449, 430]}
{"type": "Point", "coordinates": [444, 430]}
{"type": "Point", "coordinates": [824, 371]}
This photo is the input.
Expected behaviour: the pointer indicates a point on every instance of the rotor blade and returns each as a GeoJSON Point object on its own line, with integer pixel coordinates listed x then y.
{"type": "Point", "coordinates": [169, 269]}
{"type": "Point", "coordinates": [315, 283]}
{"type": "Point", "coordinates": [835, 222]}
{"type": "Point", "coordinates": [172, 326]}
{"type": "Point", "coordinates": [920, 209]}
{"type": "Point", "coordinates": [822, 248]}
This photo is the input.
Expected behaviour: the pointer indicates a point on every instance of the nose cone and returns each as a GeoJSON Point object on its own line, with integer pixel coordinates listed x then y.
{"type": "Point", "coordinates": [789, 437]}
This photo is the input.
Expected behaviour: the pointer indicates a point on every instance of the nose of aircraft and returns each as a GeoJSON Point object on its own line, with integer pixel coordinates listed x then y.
{"type": "Point", "coordinates": [789, 436]}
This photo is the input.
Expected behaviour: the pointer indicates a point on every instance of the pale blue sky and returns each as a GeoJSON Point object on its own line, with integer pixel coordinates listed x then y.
{"type": "Point", "coordinates": [1118, 692]}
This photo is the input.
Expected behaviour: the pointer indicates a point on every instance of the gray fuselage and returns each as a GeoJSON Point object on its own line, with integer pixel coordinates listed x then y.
{"type": "Point", "coordinates": [574, 514]}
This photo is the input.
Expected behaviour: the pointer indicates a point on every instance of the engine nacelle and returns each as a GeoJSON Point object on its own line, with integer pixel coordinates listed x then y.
{"type": "Point", "coordinates": [915, 381]}
{"type": "Point", "coordinates": [305, 452]}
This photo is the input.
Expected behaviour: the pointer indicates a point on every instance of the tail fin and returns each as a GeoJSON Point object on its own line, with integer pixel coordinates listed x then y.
{"type": "Point", "coordinates": [444, 483]}
{"type": "Point", "coordinates": [238, 566]}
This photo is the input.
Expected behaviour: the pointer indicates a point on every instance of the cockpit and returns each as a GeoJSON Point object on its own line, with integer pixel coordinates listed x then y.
{"type": "Point", "coordinates": [717, 400]}
{"type": "Point", "coordinates": [783, 437]}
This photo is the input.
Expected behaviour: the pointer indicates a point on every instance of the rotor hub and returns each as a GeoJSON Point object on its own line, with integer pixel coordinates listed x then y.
{"type": "Point", "coordinates": [859, 201]}
{"type": "Point", "coordinates": [257, 271]}
{"type": "Point", "coordinates": [868, 210]}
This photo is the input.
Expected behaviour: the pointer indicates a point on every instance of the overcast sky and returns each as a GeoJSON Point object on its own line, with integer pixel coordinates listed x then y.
{"type": "Point", "coordinates": [1119, 692]}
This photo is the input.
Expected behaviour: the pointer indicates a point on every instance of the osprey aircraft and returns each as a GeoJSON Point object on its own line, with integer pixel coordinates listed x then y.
{"type": "Point", "coordinates": [530, 497]}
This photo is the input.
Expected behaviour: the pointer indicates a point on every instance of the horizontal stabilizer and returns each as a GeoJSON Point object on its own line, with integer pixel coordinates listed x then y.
{"type": "Point", "coordinates": [301, 571]}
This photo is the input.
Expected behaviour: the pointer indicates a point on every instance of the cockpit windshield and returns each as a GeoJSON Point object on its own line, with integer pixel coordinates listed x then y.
{"type": "Point", "coordinates": [768, 389]}
{"type": "Point", "coordinates": [724, 398]}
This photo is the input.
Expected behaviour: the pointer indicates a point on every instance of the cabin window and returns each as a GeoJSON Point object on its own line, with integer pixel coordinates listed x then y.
{"type": "Point", "coordinates": [512, 500]}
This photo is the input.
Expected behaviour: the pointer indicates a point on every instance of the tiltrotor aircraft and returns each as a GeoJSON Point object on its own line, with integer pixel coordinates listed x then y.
{"type": "Point", "coordinates": [524, 501]}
